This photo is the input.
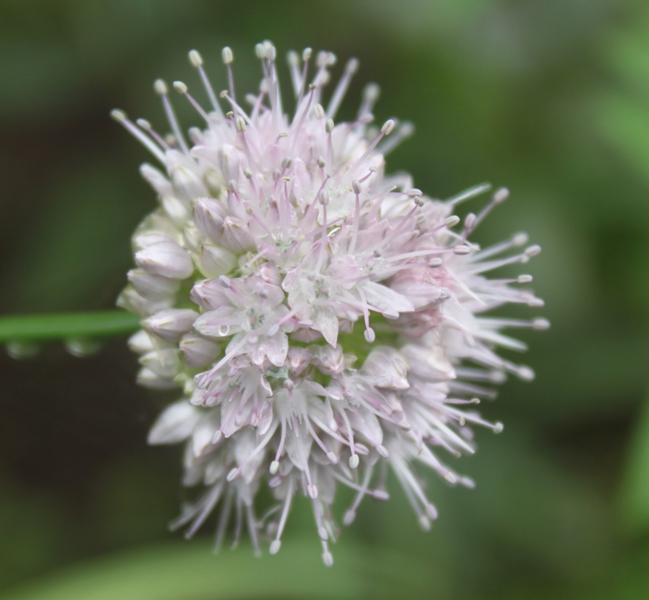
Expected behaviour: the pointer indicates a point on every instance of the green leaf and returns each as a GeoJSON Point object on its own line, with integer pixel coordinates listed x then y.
{"type": "Point", "coordinates": [635, 488]}
{"type": "Point", "coordinates": [65, 326]}
{"type": "Point", "coordinates": [191, 572]}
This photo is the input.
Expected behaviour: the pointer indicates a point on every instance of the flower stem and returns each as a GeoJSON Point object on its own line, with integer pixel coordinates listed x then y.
{"type": "Point", "coordinates": [64, 326]}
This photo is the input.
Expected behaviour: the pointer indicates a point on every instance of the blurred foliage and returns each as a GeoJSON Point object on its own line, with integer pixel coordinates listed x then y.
{"type": "Point", "coordinates": [549, 97]}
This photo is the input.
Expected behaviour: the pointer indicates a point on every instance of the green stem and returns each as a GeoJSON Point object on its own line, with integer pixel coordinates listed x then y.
{"type": "Point", "coordinates": [65, 326]}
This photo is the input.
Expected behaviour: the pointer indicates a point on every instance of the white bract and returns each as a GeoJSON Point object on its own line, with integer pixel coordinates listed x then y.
{"type": "Point", "coordinates": [324, 320]}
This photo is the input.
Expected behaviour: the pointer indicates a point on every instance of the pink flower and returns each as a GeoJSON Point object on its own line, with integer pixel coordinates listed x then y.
{"type": "Point", "coordinates": [277, 240]}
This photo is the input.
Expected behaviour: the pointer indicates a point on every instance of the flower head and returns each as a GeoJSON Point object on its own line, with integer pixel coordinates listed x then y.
{"type": "Point", "coordinates": [321, 317]}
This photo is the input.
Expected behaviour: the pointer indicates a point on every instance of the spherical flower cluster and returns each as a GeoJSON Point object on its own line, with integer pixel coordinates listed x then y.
{"type": "Point", "coordinates": [324, 320]}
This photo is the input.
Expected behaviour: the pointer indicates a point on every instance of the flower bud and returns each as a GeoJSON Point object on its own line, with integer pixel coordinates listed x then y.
{"type": "Point", "coordinates": [209, 216]}
{"type": "Point", "coordinates": [152, 287]}
{"type": "Point", "coordinates": [197, 351]}
{"type": "Point", "coordinates": [165, 362]}
{"type": "Point", "coordinates": [156, 180]}
{"type": "Point", "coordinates": [131, 300]}
{"type": "Point", "coordinates": [165, 258]}
{"type": "Point", "coordinates": [148, 379]}
{"type": "Point", "coordinates": [171, 323]}
{"type": "Point", "coordinates": [209, 294]}
{"type": "Point", "coordinates": [140, 342]}
{"type": "Point", "coordinates": [187, 185]}
{"type": "Point", "coordinates": [177, 210]}
{"type": "Point", "coordinates": [213, 261]}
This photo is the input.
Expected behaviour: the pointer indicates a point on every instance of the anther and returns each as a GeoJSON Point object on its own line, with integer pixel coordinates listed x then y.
{"type": "Point", "coordinates": [180, 87]}
{"type": "Point", "coordinates": [227, 55]}
{"type": "Point", "coordinates": [498, 427]}
{"type": "Point", "coordinates": [118, 115]}
{"type": "Point", "coordinates": [451, 221]}
{"type": "Point", "coordinates": [323, 198]}
{"type": "Point", "coordinates": [353, 461]}
{"type": "Point", "coordinates": [248, 173]}
{"type": "Point", "coordinates": [525, 373]}
{"type": "Point", "coordinates": [369, 335]}
{"type": "Point", "coordinates": [532, 250]}
{"type": "Point", "coordinates": [332, 458]}
{"type": "Point", "coordinates": [329, 125]}
{"type": "Point", "coordinates": [541, 324]}
{"type": "Point", "coordinates": [435, 262]}
{"type": "Point", "coordinates": [306, 54]}
{"type": "Point", "coordinates": [524, 279]}
{"type": "Point", "coordinates": [520, 239]}
{"type": "Point", "coordinates": [371, 92]}
{"type": "Point", "coordinates": [382, 450]}
{"type": "Point", "coordinates": [470, 221]}
{"type": "Point", "coordinates": [501, 195]}
{"type": "Point", "coordinates": [240, 124]}
{"type": "Point", "coordinates": [388, 127]}
{"type": "Point", "coordinates": [321, 162]}
{"type": "Point", "coordinates": [328, 559]}
{"type": "Point", "coordinates": [224, 281]}
{"type": "Point", "coordinates": [293, 58]}
{"type": "Point", "coordinates": [462, 250]}
{"type": "Point", "coordinates": [318, 111]}
{"type": "Point", "coordinates": [160, 87]}
{"type": "Point", "coordinates": [356, 186]}
{"type": "Point", "coordinates": [413, 193]}
{"type": "Point", "coordinates": [274, 547]}
{"type": "Point", "coordinates": [195, 58]}
{"type": "Point", "coordinates": [274, 467]}
{"type": "Point", "coordinates": [312, 491]}
{"type": "Point", "coordinates": [287, 163]}
{"type": "Point", "coordinates": [431, 511]}
{"type": "Point", "coordinates": [233, 474]}
{"type": "Point", "coordinates": [450, 477]}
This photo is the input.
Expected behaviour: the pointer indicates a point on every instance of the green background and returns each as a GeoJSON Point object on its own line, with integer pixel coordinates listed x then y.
{"type": "Point", "coordinates": [547, 97]}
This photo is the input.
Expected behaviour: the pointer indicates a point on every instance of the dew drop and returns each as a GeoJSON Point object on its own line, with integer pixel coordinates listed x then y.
{"type": "Point", "coordinates": [22, 350]}
{"type": "Point", "coordinates": [82, 347]}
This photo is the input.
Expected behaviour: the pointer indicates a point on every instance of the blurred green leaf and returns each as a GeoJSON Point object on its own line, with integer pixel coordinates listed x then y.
{"type": "Point", "coordinates": [192, 572]}
{"type": "Point", "coordinates": [65, 326]}
{"type": "Point", "coordinates": [635, 488]}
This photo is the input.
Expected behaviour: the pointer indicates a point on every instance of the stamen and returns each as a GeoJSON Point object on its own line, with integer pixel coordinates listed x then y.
{"type": "Point", "coordinates": [405, 130]}
{"type": "Point", "coordinates": [293, 60]}
{"type": "Point", "coordinates": [120, 117]}
{"type": "Point", "coordinates": [197, 61]}
{"type": "Point", "coordinates": [350, 69]}
{"type": "Point", "coordinates": [146, 126]}
{"type": "Point", "coordinates": [468, 194]}
{"type": "Point", "coordinates": [274, 547]}
{"type": "Point", "coordinates": [161, 89]}
{"type": "Point", "coordinates": [228, 57]}
{"type": "Point", "coordinates": [181, 88]}
{"type": "Point", "coordinates": [370, 96]}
